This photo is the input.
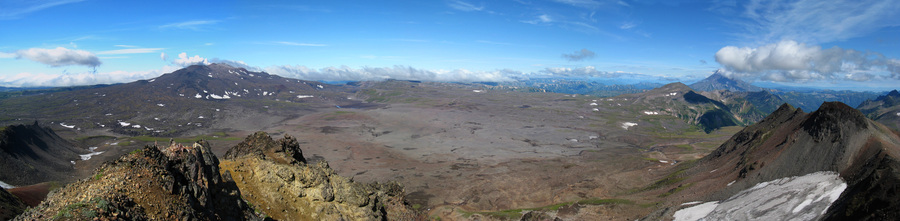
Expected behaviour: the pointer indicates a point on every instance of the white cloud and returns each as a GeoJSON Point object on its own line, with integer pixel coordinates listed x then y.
{"type": "Point", "coordinates": [464, 6]}
{"type": "Point", "coordinates": [192, 25]}
{"type": "Point", "coordinates": [163, 56]}
{"type": "Point", "coordinates": [792, 61]}
{"type": "Point", "coordinates": [579, 55]}
{"type": "Point", "coordinates": [85, 78]}
{"type": "Point", "coordinates": [345, 73]}
{"type": "Point", "coordinates": [816, 21]}
{"type": "Point", "coordinates": [60, 57]}
{"type": "Point", "coordinates": [131, 51]}
{"type": "Point", "coordinates": [299, 44]}
{"type": "Point", "coordinates": [184, 61]}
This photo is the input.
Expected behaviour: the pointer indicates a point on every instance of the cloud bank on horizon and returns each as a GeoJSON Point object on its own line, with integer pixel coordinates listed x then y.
{"type": "Point", "coordinates": [786, 41]}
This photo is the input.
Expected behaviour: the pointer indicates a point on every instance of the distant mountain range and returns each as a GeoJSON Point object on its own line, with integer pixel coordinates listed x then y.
{"type": "Point", "coordinates": [884, 109]}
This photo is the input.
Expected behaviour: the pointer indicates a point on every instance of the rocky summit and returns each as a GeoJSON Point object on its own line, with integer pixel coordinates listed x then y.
{"type": "Point", "coordinates": [155, 183]}
{"type": "Point", "coordinates": [273, 175]}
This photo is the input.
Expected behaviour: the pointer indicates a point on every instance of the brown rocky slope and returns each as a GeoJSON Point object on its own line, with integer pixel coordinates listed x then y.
{"type": "Point", "coordinates": [790, 142]}
{"type": "Point", "coordinates": [274, 176]}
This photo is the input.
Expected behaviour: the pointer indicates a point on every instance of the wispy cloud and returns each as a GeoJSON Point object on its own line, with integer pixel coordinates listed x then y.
{"type": "Point", "coordinates": [464, 6]}
{"type": "Point", "coordinates": [581, 3]}
{"type": "Point", "coordinates": [815, 21]}
{"type": "Point", "coordinates": [126, 46]}
{"type": "Point", "coordinates": [132, 51]}
{"type": "Point", "coordinates": [189, 25]}
{"type": "Point", "coordinates": [579, 55]}
{"type": "Point", "coordinates": [17, 9]}
{"type": "Point", "coordinates": [299, 44]}
{"type": "Point", "coordinates": [628, 25]}
{"type": "Point", "coordinates": [60, 57]}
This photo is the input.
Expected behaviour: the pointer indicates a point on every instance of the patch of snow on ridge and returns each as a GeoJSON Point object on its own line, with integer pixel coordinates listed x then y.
{"type": "Point", "coordinates": [6, 186]}
{"type": "Point", "coordinates": [626, 125]}
{"type": "Point", "coordinates": [89, 155]}
{"type": "Point", "coordinates": [804, 197]}
{"type": "Point", "coordinates": [695, 212]}
{"type": "Point", "coordinates": [304, 96]}
{"type": "Point", "coordinates": [66, 126]}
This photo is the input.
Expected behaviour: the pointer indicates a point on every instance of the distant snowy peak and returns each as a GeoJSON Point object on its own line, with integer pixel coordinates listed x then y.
{"type": "Point", "coordinates": [718, 81]}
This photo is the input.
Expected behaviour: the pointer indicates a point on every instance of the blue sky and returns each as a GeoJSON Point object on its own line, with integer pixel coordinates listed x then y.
{"type": "Point", "coordinates": [811, 43]}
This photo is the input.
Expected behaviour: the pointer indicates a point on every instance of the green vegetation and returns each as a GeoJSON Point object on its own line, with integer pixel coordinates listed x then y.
{"type": "Point", "coordinates": [86, 209]}
{"type": "Point", "coordinates": [124, 143]}
{"type": "Point", "coordinates": [94, 137]}
{"type": "Point", "coordinates": [676, 189]}
{"type": "Point", "coordinates": [672, 178]}
{"type": "Point", "coordinates": [98, 175]}
{"type": "Point", "coordinates": [516, 213]}
{"type": "Point", "coordinates": [136, 151]}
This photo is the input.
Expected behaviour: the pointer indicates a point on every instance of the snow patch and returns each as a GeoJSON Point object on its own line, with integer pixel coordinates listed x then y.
{"type": "Point", "coordinates": [898, 114]}
{"type": "Point", "coordinates": [595, 109]}
{"type": "Point", "coordinates": [161, 105]}
{"type": "Point", "coordinates": [593, 104]}
{"type": "Point", "coordinates": [695, 212]}
{"type": "Point", "coordinates": [67, 126]}
{"type": "Point", "coordinates": [732, 182]}
{"type": "Point", "coordinates": [626, 125]}
{"type": "Point", "coordinates": [6, 186]}
{"type": "Point", "coordinates": [198, 96]}
{"type": "Point", "coordinates": [320, 86]}
{"type": "Point", "coordinates": [89, 155]}
{"type": "Point", "coordinates": [804, 197]}
{"type": "Point", "coordinates": [651, 112]}
{"type": "Point", "coordinates": [304, 96]}
{"type": "Point", "coordinates": [124, 124]}
{"type": "Point", "coordinates": [136, 126]}
{"type": "Point", "coordinates": [478, 91]}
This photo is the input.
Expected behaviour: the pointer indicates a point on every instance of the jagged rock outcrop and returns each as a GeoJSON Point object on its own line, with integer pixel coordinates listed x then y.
{"type": "Point", "coordinates": [285, 150]}
{"type": "Point", "coordinates": [156, 183]}
{"type": "Point", "coordinates": [32, 154]}
{"type": "Point", "coordinates": [10, 205]}
{"type": "Point", "coordinates": [273, 176]}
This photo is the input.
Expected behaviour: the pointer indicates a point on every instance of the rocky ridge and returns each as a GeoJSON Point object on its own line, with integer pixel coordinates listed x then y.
{"type": "Point", "coordinates": [156, 183]}
{"type": "Point", "coordinates": [273, 175]}
{"type": "Point", "coordinates": [790, 143]}
{"type": "Point", "coordinates": [32, 154]}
